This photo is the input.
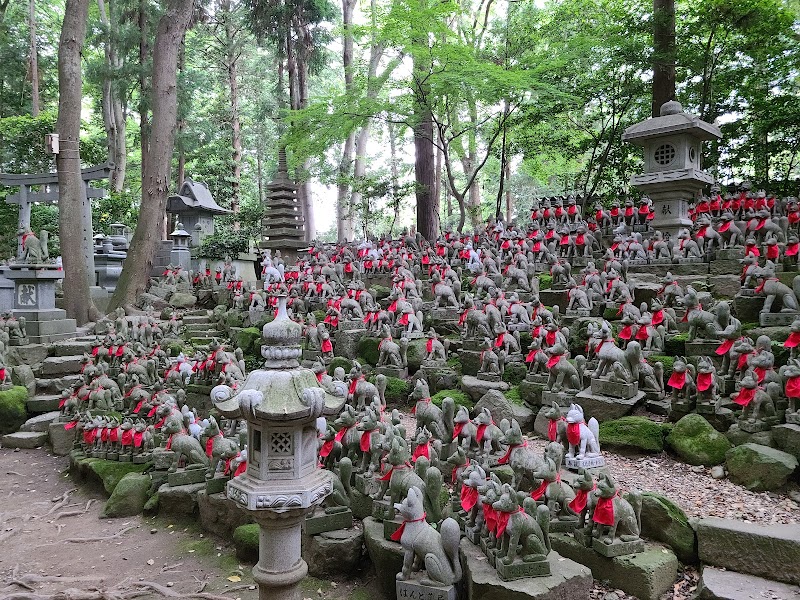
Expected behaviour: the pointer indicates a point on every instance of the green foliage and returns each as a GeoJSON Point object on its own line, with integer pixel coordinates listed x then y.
{"type": "Point", "coordinates": [676, 345]}
{"type": "Point", "coordinates": [12, 408]}
{"type": "Point", "coordinates": [397, 390]}
{"type": "Point", "coordinates": [632, 433]}
{"type": "Point", "coordinates": [513, 396]}
{"type": "Point", "coordinates": [664, 360]}
{"type": "Point", "coordinates": [340, 361]}
{"type": "Point", "coordinates": [514, 373]}
{"type": "Point", "coordinates": [224, 243]}
{"type": "Point", "coordinates": [248, 340]}
{"type": "Point", "coordinates": [545, 281]}
{"type": "Point", "coordinates": [368, 348]}
{"type": "Point", "coordinates": [460, 398]}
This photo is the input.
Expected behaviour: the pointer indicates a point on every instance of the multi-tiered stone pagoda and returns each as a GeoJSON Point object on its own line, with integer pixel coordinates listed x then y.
{"type": "Point", "coordinates": [283, 223]}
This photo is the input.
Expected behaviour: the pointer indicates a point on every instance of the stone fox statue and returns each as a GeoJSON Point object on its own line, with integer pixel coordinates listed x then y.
{"type": "Point", "coordinates": [422, 544]}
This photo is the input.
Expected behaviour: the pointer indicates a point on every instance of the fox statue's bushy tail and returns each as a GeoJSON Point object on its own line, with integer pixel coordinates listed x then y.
{"type": "Point", "coordinates": [451, 537]}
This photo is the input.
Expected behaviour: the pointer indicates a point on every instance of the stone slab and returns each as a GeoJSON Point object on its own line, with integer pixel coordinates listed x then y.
{"type": "Point", "coordinates": [61, 365]}
{"type": "Point", "coordinates": [179, 500]}
{"type": "Point", "coordinates": [605, 408]}
{"type": "Point", "coordinates": [476, 388]}
{"type": "Point", "coordinates": [319, 522]}
{"type": "Point", "coordinates": [43, 403]}
{"type": "Point", "coordinates": [763, 551]}
{"type": "Point", "coordinates": [72, 348]}
{"type": "Point", "coordinates": [25, 439]}
{"type": "Point", "coordinates": [721, 584]}
{"type": "Point", "coordinates": [62, 440]}
{"type": "Point", "coordinates": [567, 579]}
{"type": "Point", "coordinates": [777, 319]}
{"type": "Point", "coordinates": [787, 438]}
{"type": "Point", "coordinates": [646, 575]}
{"type": "Point", "coordinates": [613, 389]}
{"type": "Point", "coordinates": [40, 422]}
{"type": "Point", "coordinates": [333, 553]}
{"type": "Point", "coordinates": [414, 590]}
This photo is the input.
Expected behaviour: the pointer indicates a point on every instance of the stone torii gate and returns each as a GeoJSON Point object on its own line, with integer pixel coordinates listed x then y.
{"type": "Point", "coordinates": [48, 194]}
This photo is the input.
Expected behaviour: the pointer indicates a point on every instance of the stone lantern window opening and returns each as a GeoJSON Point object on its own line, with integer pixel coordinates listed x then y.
{"type": "Point", "coordinates": [665, 154]}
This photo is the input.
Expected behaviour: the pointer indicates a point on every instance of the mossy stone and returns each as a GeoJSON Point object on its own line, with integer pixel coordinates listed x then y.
{"type": "Point", "coordinates": [129, 496]}
{"type": "Point", "coordinates": [665, 522]}
{"type": "Point", "coordinates": [460, 398]}
{"type": "Point", "coordinates": [368, 348]}
{"type": "Point", "coordinates": [340, 361]}
{"type": "Point", "coordinates": [676, 345]}
{"type": "Point", "coordinates": [632, 433]}
{"type": "Point", "coordinates": [379, 292]}
{"type": "Point", "coordinates": [397, 390]}
{"type": "Point", "coordinates": [12, 409]}
{"type": "Point", "coordinates": [514, 373]}
{"type": "Point", "coordinates": [417, 350]}
{"type": "Point", "coordinates": [513, 396]}
{"type": "Point", "coordinates": [235, 318]}
{"type": "Point", "coordinates": [545, 282]}
{"type": "Point", "coordinates": [759, 468]}
{"type": "Point", "coordinates": [111, 472]}
{"type": "Point", "coordinates": [696, 442]}
{"type": "Point", "coordinates": [174, 348]}
{"type": "Point", "coordinates": [248, 339]}
{"type": "Point", "coordinates": [245, 539]}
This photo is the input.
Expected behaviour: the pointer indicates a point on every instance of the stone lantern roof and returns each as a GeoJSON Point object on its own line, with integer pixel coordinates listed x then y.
{"type": "Point", "coordinates": [290, 392]}
{"type": "Point", "coordinates": [671, 121]}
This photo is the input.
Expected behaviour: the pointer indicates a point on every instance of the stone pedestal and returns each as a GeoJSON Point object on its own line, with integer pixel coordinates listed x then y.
{"type": "Point", "coordinates": [6, 293]}
{"type": "Point", "coordinates": [35, 300]}
{"type": "Point", "coordinates": [280, 566]}
{"type": "Point", "coordinates": [614, 389]}
{"type": "Point", "coordinates": [413, 589]}
{"type": "Point", "coordinates": [320, 522]}
{"type": "Point", "coordinates": [781, 319]}
{"type": "Point", "coordinates": [390, 371]}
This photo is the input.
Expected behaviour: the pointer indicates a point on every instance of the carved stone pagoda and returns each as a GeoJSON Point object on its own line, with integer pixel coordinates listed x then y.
{"type": "Point", "coordinates": [283, 224]}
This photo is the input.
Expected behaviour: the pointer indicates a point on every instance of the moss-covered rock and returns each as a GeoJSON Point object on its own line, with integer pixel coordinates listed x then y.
{"type": "Point", "coordinates": [379, 292]}
{"type": "Point", "coordinates": [759, 468]}
{"type": "Point", "coordinates": [368, 349]}
{"type": "Point", "coordinates": [696, 442]}
{"type": "Point", "coordinates": [173, 348]}
{"type": "Point", "coordinates": [340, 361]}
{"type": "Point", "coordinates": [416, 353]}
{"type": "Point", "coordinates": [676, 345]}
{"type": "Point", "coordinates": [665, 522]}
{"type": "Point", "coordinates": [632, 433]}
{"type": "Point", "coordinates": [235, 318]}
{"type": "Point", "coordinates": [249, 340]}
{"type": "Point", "coordinates": [12, 409]}
{"type": "Point", "coordinates": [514, 373]}
{"type": "Point", "coordinates": [129, 496]}
{"type": "Point", "coordinates": [111, 472]}
{"type": "Point", "coordinates": [460, 398]}
{"type": "Point", "coordinates": [545, 282]}
{"type": "Point", "coordinates": [397, 390]}
{"type": "Point", "coordinates": [245, 539]}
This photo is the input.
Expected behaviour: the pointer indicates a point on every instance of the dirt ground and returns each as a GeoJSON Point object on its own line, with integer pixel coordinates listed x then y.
{"type": "Point", "coordinates": [54, 545]}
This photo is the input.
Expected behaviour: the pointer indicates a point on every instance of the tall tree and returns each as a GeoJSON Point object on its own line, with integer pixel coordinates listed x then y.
{"type": "Point", "coordinates": [112, 103]}
{"type": "Point", "coordinates": [33, 59]}
{"type": "Point", "coordinates": [76, 233]}
{"type": "Point", "coordinates": [156, 164]}
{"type": "Point", "coordinates": [663, 53]}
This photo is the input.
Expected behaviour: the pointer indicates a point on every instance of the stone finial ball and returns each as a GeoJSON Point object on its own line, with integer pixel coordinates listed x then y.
{"type": "Point", "coordinates": [671, 107]}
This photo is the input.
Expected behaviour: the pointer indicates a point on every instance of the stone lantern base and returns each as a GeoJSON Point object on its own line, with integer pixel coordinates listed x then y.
{"type": "Point", "coordinates": [35, 300]}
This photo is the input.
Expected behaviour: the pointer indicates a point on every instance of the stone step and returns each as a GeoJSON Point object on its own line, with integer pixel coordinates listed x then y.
{"type": "Point", "coordinates": [195, 319]}
{"type": "Point", "coordinates": [43, 403]}
{"type": "Point", "coordinates": [25, 439]}
{"type": "Point", "coordinates": [204, 326]}
{"type": "Point", "coordinates": [40, 422]}
{"type": "Point", "coordinates": [720, 584]}
{"type": "Point", "coordinates": [62, 365]}
{"type": "Point", "coordinates": [55, 385]}
{"type": "Point", "coordinates": [73, 347]}
{"type": "Point", "coordinates": [733, 545]}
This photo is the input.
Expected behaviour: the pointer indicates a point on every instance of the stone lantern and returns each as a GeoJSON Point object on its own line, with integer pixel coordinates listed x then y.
{"type": "Point", "coordinates": [283, 481]}
{"type": "Point", "coordinates": [673, 174]}
{"type": "Point", "coordinates": [180, 254]}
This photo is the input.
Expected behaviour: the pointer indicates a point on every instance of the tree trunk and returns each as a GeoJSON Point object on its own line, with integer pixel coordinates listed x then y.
{"type": "Point", "coordinates": [395, 174]}
{"type": "Point", "coordinates": [144, 88]}
{"type": "Point", "coordinates": [75, 232]}
{"type": "Point", "coordinates": [509, 207]}
{"type": "Point", "coordinates": [663, 53]}
{"type": "Point", "coordinates": [425, 175]}
{"type": "Point", "coordinates": [180, 176]}
{"type": "Point", "coordinates": [232, 65]}
{"type": "Point", "coordinates": [33, 59]}
{"type": "Point", "coordinates": [344, 208]}
{"type": "Point", "coordinates": [155, 170]}
{"type": "Point", "coordinates": [113, 113]}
